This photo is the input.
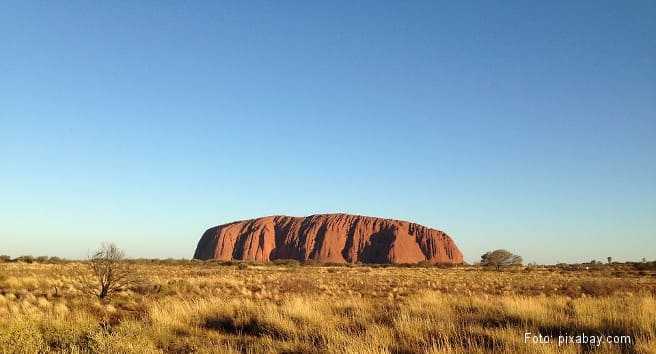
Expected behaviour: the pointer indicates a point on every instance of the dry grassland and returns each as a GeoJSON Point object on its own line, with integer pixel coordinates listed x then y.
{"type": "Point", "coordinates": [212, 308]}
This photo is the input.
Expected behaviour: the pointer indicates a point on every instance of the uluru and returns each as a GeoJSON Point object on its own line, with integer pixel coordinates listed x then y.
{"type": "Point", "coordinates": [330, 238]}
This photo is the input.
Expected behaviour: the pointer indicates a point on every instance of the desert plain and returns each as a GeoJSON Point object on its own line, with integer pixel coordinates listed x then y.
{"type": "Point", "coordinates": [289, 307]}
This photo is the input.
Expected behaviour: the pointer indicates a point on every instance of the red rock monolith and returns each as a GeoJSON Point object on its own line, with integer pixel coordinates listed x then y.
{"type": "Point", "coordinates": [338, 238]}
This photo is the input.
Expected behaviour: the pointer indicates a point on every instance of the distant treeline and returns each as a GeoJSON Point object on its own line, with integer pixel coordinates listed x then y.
{"type": "Point", "coordinates": [32, 259]}
{"type": "Point", "coordinates": [651, 265]}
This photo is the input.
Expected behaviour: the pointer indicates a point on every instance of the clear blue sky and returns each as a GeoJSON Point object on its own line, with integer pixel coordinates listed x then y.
{"type": "Point", "coordinates": [527, 126]}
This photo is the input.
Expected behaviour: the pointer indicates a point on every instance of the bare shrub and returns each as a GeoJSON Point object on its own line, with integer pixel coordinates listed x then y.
{"type": "Point", "coordinates": [110, 273]}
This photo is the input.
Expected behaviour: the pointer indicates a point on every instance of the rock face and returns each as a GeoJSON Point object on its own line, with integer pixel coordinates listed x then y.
{"type": "Point", "coordinates": [335, 238]}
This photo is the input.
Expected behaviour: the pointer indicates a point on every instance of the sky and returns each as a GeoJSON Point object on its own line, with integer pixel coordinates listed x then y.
{"type": "Point", "coordinates": [516, 125]}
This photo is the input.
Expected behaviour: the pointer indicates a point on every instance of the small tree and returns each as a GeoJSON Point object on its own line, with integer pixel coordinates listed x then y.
{"type": "Point", "coordinates": [610, 260]}
{"type": "Point", "coordinates": [111, 273]}
{"type": "Point", "coordinates": [500, 258]}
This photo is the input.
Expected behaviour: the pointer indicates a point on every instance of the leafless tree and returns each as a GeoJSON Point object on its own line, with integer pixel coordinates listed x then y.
{"type": "Point", "coordinates": [500, 258]}
{"type": "Point", "coordinates": [110, 272]}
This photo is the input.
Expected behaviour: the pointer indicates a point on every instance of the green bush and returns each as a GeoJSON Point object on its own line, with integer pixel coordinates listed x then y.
{"type": "Point", "coordinates": [287, 262]}
{"type": "Point", "coordinates": [25, 259]}
{"type": "Point", "coordinates": [242, 266]}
